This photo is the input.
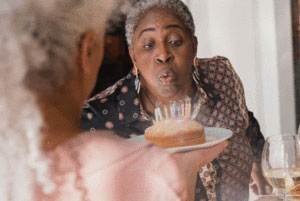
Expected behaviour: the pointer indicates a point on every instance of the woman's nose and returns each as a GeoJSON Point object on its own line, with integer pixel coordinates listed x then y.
{"type": "Point", "coordinates": [164, 56]}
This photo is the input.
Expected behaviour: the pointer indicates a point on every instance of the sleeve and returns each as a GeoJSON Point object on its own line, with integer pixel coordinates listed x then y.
{"type": "Point", "coordinates": [99, 113]}
{"type": "Point", "coordinates": [222, 84]}
{"type": "Point", "coordinates": [245, 120]}
{"type": "Point", "coordinates": [90, 119]}
{"type": "Point", "coordinates": [253, 132]}
{"type": "Point", "coordinates": [237, 88]}
{"type": "Point", "coordinates": [255, 137]}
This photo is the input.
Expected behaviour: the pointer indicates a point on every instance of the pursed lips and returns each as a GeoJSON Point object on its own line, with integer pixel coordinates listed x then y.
{"type": "Point", "coordinates": [166, 77]}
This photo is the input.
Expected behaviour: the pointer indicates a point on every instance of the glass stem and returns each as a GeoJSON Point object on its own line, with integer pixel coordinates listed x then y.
{"type": "Point", "coordinates": [285, 197]}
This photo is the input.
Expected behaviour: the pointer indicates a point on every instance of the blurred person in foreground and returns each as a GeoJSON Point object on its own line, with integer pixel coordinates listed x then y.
{"type": "Point", "coordinates": [163, 48]}
{"type": "Point", "coordinates": [50, 54]}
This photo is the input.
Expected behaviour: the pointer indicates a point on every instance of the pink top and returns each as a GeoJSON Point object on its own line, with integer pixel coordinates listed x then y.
{"type": "Point", "coordinates": [104, 167]}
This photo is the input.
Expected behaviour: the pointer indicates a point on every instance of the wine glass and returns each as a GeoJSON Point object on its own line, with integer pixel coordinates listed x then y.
{"type": "Point", "coordinates": [281, 162]}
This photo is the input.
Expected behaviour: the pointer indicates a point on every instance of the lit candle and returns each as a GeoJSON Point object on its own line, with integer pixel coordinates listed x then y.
{"type": "Point", "coordinates": [166, 112]}
{"type": "Point", "coordinates": [179, 112]}
{"type": "Point", "coordinates": [188, 106]}
{"type": "Point", "coordinates": [173, 109]}
{"type": "Point", "coordinates": [156, 115]}
{"type": "Point", "coordinates": [159, 114]}
{"type": "Point", "coordinates": [181, 104]}
{"type": "Point", "coordinates": [189, 109]}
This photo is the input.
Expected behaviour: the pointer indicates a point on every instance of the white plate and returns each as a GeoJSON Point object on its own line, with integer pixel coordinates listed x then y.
{"type": "Point", "coordinates": [213, 136]}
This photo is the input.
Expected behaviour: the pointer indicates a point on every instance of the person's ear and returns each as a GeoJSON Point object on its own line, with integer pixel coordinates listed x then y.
{"type": "Point", "coordinates": [195, 45]}
{"type": "Point", "coordinates": [87, 48]}
{"type": "Point", "coordinates": [132, 56]}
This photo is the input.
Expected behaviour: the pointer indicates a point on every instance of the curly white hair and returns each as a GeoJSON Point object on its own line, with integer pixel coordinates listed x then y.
{"type": "Point", "coordinates": [177, 7]}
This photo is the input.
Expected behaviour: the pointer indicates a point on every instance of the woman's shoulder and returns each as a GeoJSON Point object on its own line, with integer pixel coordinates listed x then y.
{"type": "Point", "coordinates": [113, 90]}
{"type": "Point", "coordinates": [216, 64]}
{"type": "Point", "coordinates": [218, 78]}
{"type": "Point", "coordinates": [217, 70]}
{"type": "Point", "coordinates": [107, 165]}
{"type": "Point", "coordinates": [214, 58]}
{"type": "Point", "coordinates": [95, 151]}
{"type": "Point", "coordinates": [99, 112]}
{"type": "Point", "coordinates": [110, 149]}
{"type": "Point", "coordinates": [109, 161]}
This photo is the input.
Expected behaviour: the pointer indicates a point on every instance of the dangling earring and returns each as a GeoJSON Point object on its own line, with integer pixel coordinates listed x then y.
{"type": "Point", "coordinates": [196, 77]}
{"type": "Point", "coordinates": [137, 82]}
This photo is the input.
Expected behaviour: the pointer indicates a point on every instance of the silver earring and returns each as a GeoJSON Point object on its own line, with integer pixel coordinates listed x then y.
{"type": "Point", "coordinates": [137, 82]}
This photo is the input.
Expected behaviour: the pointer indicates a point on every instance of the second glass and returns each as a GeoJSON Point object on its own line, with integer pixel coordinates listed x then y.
{"type": "Point", "coordinates": [281, 162]}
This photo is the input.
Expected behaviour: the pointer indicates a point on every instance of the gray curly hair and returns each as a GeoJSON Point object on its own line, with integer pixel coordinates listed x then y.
{"type": "Point", "coordinates": [50, 35]}
{"type": "Point", "coordinates": [179, 9]}
{"type": "Point", "coordinates": [38, 40]}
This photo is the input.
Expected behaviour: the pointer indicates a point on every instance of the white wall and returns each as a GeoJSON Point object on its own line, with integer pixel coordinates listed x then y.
{"type": "Point", "coordinates": [256, 36]}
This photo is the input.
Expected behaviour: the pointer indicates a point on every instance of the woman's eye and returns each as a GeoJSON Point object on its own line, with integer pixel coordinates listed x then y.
{"type": "Point", "coordinates": [176, 43]}
{"type": "Point", "coordinates": [148, 46]}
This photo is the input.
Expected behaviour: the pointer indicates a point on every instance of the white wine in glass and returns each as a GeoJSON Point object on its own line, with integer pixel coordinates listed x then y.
{"type": "Point", "coordinates": [283, 179]}
{"type": "Point", "coordinates": [281, 162]}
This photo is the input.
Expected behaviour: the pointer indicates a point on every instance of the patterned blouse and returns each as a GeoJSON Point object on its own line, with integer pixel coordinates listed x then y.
{"type": "Point", "coordinates": [227, 177]}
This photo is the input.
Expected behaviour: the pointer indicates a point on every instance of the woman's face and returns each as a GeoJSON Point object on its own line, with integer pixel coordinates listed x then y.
{"type": "Point", "coordinates": [163, 51]}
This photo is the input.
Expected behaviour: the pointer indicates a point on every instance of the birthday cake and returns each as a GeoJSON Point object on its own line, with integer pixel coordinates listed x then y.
{"type": "Point", "coordinates": [175, 133]}
{"type": "Point", "coordinates": [174, 125]}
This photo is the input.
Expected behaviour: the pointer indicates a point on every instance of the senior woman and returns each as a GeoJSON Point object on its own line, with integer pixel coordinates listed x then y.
{"type": "Point", "coordinates": [163, 47]}
{"type": "Point", "coordinates": [50, 54]}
